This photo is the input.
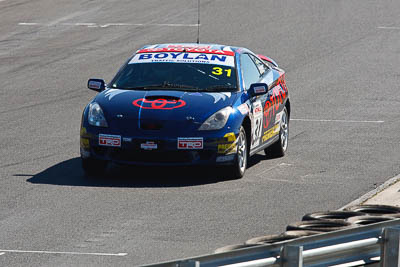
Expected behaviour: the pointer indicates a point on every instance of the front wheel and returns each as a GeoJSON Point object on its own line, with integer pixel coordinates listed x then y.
{"type": "Point", "coordinates": [279, 148]}
{"type": "Point", "coordinates": [239, 166]}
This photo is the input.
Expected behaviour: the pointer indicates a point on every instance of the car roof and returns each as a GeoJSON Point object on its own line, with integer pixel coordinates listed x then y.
{"type": "Point", "coordinates": [189, 47]}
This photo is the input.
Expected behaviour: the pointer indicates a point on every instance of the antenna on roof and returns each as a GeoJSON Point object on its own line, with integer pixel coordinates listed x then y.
{"type": "Point", "coordinates": [198, 21]}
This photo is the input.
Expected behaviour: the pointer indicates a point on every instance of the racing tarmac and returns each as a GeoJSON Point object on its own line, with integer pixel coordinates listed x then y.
{"type": "Point", "coordinates": [342, 62]}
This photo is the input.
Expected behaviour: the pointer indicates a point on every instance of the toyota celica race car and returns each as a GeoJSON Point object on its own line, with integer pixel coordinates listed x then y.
{"type": "Point", "coordinates": [187, 104]}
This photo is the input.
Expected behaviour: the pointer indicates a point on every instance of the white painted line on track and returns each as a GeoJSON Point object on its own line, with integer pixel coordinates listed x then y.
{"type": "Point", "coordinates": [344, 121]}
{"type": "Point", "coordinates": [105, 25]}
{"type": "Point", "coordinates": [389, 28]}
{"type": "Point", "coordinates": [63, 252]}
{"type": "Point", "coordinates": [2, 253]}
{"type": "Point", "coordinates": [28, 23]}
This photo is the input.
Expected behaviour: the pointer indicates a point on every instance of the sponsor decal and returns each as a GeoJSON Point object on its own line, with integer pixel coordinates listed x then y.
{"type": "Point", "coordinates": [243, 108]}
{"type": "Point", "coordinates": [259, 89]}
{"type": "Point", "coordinates": [228, 144]}
{"type": "Point", "coordinates": [85, 143]}
{"type": "Point", "coordinates": [83, 131]}
{"type": "Point", "coordinates": [160, 103]}
{"type": "Point", "coordinates": [187, 49]}
{"type": "Point", "coordinates": [257, 123]}
{"type": "Point", "coordinates": [190, 143]}
{"type": "Point", "coordinates": [226, 148]}
{"type": "Point", "coordinates": [127, 139]}
{"type": "Point", "coordinates": [183, 57]}
{"type": "Point", "coordinates": [271, 133]}
{"type": "Point", "coordinates": [277, 97]}
{"type": "Point", "coordinates": [181, 46]}
{"type": "Point", "coordinates": [278, 117]}
{"type": "Point", "coordinates": [149, 145]}
{"type": "Point", "coordinates": [109, 140]}
{"type": "Point", "coordinates": [225, 158]}
{"type": "Point", "coordinates": [257, 109]}
{"type": "Point", "coordinates": [230, 137]}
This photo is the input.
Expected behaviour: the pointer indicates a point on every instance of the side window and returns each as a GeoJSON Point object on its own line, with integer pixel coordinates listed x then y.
{"type": "Point", "coordinates": [250, 71]}
{"type": "Point", "coordinates": [260, 65]}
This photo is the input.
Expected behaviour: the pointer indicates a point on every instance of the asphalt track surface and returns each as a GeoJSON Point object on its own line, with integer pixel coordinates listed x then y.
{"type": "Point", "coordinates": [343, 71]}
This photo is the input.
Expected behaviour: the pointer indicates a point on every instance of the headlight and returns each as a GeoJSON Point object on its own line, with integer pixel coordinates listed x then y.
{"type": "Point", "coordinates": [217, 120]}
{"type": "Point", "coordinates": [96, 116]}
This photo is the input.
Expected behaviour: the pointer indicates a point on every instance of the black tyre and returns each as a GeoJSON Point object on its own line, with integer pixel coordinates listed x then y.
{"type": "Point", "coordinates": [331, 215]}
{"type": "Point", "coordinates": [301, 233]}
{"type": "Point", "coordinates": [367, 219]}
{"type": "Point", "coordinates": [393, 215]}
{"type": "Point", "coordinates": [93, 167]}
{"type": "Point", "coordinates": [238, 169]}
{"type": "Point", "coordinates": [319, 225]}
{"type": "Point", "coordinates": [234, 247]}
{"type": "Point", "coordinates": [375, 209]}
{"type": "Point", "coordinates": [269, 239]}
{"type": "Point", "coordinates": [279, 148]}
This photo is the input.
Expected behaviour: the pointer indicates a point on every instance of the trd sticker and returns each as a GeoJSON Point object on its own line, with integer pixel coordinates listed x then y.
{"type": "Point", "coordinates": [148, 145]}
{"type": "Point", "coordinates": [190, 143]}
{"type": "Point", "coordinates": [160, 103]}
{"type": "Point", "coordinates": [109, 140]}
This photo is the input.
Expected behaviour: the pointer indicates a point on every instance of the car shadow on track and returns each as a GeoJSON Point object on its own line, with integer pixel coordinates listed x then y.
{"type": "Point", "coordinates": [70, 173]}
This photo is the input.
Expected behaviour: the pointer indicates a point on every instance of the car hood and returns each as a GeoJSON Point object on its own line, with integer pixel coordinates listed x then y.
{"type": "Point", "coordinates": [155, 111]}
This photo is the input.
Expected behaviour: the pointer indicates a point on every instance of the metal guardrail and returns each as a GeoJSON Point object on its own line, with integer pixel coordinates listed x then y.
{"type": "Point", "coordinates": [376, 244]}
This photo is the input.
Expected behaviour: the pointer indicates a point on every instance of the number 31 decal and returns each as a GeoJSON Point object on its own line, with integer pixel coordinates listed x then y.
{"type": "Point", "coordinates": [220, 71]}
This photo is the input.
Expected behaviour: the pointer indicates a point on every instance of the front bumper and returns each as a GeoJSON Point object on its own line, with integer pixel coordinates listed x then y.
{"type": "Point", "coordinates": [160, 151]}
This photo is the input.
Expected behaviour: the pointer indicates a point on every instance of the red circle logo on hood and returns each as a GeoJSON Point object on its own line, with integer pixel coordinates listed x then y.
{"type": "Point", "coordinates": [160, 103]}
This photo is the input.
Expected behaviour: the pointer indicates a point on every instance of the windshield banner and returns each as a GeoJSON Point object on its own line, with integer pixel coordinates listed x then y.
{"type": "Point", "coordinates": [181, 57]}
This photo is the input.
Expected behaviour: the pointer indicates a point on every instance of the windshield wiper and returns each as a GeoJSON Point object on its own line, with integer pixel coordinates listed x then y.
{"type": "Point", "coordinates": [217, 88]}
{"type": "Point", "coordinates": [165, 84]}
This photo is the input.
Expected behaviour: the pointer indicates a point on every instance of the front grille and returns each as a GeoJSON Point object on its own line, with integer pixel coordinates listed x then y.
{"type": "Point", "coordinates": [153, 156]}
{"type": "Point", "coordinates": [153, 126]}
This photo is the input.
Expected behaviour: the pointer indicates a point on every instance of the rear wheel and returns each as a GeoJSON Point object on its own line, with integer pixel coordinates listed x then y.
{"type": "Point", "coordinates": [93, 167]}
{"type": "Point", "coordinates": [239, 167]}
{"type": "Point", "coordinates": [279, 148]}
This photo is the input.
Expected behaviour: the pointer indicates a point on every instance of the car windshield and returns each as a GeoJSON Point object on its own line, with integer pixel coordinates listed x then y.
{"type": "Point", "coordinates": [177, 76]}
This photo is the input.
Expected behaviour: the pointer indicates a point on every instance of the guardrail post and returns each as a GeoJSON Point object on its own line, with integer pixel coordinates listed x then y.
{"type": "Point", "coordinates": [390, 247]}
{"type": "Point", "coordinates": [292, 256]}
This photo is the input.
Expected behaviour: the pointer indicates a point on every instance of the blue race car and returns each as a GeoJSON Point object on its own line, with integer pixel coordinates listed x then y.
{"type": "Point", "coordinates": [187, 104]}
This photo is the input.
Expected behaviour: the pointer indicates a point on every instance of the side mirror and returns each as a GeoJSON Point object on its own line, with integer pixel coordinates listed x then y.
{"type": "Point", "coordinates": [97, 85]}
{"type": "Point", "coordinates": [257, 89]}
